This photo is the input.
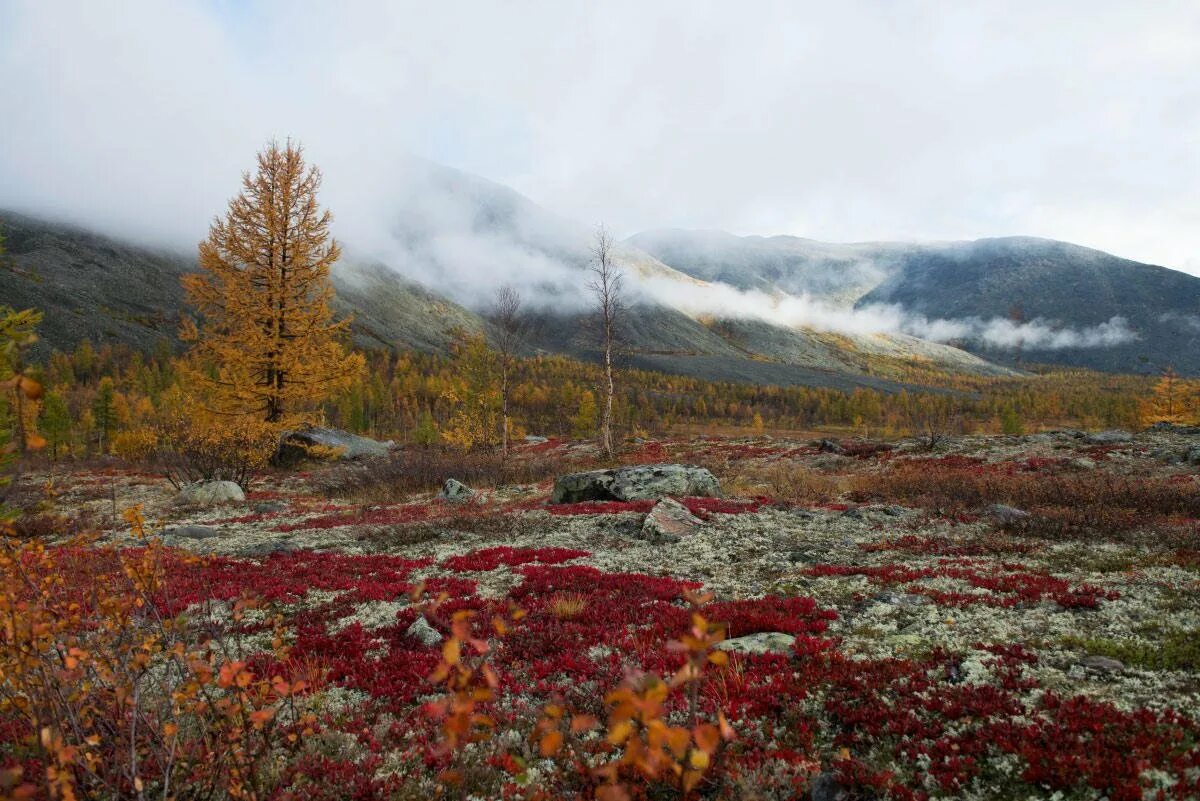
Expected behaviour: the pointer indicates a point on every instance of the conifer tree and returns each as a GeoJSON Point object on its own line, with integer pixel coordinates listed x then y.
{"type": "Point", "coordinates": [1169, 402]}
{"type": "Point", "coordinates": [267, 344]}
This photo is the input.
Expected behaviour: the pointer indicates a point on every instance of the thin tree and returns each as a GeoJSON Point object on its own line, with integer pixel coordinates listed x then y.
{"type": "Point", "coordinates": [268, 345]}
{"type": "Point", "coordinates": [605, 287]}
{"type": "Point", "coordinates": [509, 332]}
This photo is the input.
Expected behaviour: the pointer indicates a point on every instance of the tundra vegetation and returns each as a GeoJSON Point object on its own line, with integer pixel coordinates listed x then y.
{"type": "Point", "coordinates": [956, 592]}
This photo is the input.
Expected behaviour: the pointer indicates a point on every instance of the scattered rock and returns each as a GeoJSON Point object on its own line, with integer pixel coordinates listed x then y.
{"type": "Point", "coordinates": [638, 483]}
{"type": "Point", "coordinates": [1083, 463]}
{"type": "Point", "coordinates": [190, 532]}
{"type": "Point", "coordinates": [1193, 455]}
{"type": "Point", "coordinates": [1006, 514]}
{"type": "Point", "coordinates": [535, 440]}
{"type": "Point", "coordinates": [669, 520]}
{"type": "Point", "coordinates": [333, 442]}
{"type": "Point", "coordinates": [1172, 455]}
{"type": "Point", "coordinates": [763, 642]}
{"type": "Point", "coordinates": [1102, 664]}
{"type": "Point", "coordinates": [269, 548]}
{"type": "Point", "coordinates": [455, 491]}
{"type": "Point", "coordinates": [825, 787]}
{"type": "Point", "coordinates": [830, 446]}
{"type": "Point", "coordinates": [1113, 436]}
{"type": "Point", "coordinates": [269, 507]}
{"type": "Point", "coordinates": [211, 493]}
{"type": "Point", "coordinates": [421, 631]}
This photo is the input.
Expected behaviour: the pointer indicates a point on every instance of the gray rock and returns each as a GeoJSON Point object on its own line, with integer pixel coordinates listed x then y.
{"type": "Point", "coordinates": [669, 521]}
{"type": "Point", "coordinates": [825, 787]}
{"type": "Point", "coordinates": [1006, 514]}
{"type": "Point", "coordinates": [1193, 455]}
{"type": "Point", "coordinates": [1102, 664]}
{"type": "Point", "coordinates": [535, 440]}
{"type": "Point", "coordinates": [267, 507]}
{"type": "Point", "coordinates": [830, 446]}
{"type": "Point", "coordinates": [637, 483]}
{"type": "Point", "coordinates": [348, 446]}
{"type": "Point", "coordinates": [422, 632]}
{"type": "Point", "coordinates": [763, 642]}
{"type": "Point", "coordinates": [1172, 455]}
{"type": "Point", "coordinates": [1083, 463]}
{"type": "Point", "coordinates": [190, 532]}
{"type": "Point", "coordinates": [1113, 436]}
{"type": "Point", "coordinates": [211, 493]}
{"type": "Point", "coordinates": [455, 491]}
{"type": "Point", "coordinates": [269, 548]}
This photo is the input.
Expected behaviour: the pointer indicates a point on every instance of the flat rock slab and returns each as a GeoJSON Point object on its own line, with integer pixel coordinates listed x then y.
{"type": "Point", "coordinates": [211, 493]}
{"type": "Point", "coordinates": [669, 521]}
{"type": "Point", "coordinates": [1115, 436]}
{"type": "Point", "coordinates": [763, 642]}
{"type": "Point", "coordinates": [650, 482]}
{"type": "Point", "coordinates": [190, 532]}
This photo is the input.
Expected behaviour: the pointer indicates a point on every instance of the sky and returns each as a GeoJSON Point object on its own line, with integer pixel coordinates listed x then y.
{"type": "Point", "coordinates": [1076, 120]}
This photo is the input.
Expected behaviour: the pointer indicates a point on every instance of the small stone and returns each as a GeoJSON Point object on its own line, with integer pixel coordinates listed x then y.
{"type": "Point", "coordinates": [535, 440]}
{"type": "Point", "coordinates": [268, 507]}
{"type": "Point", "coordinates": [211, 493]}
{"type": "Point", "coordinates": [1102, 664]}
{"type": "Point", "coordinates": [1083, 463]}
{"type": "Point", "coordinates": [669, 520]}
{"type": "Point", "coordinates": [825, 787]}
{"type": "Point", "coordinates": [424, 633]}
{"type": "Point", "coordinates": [455, 491]}
{"type": "Point", "coordinates": [1193, 455]}
{"type": "Point", "coordinates": [190, 532]}
{"type": "Point", "coordinates": [763, 642]}
{"type": "Point", "coordinates": [1113, 436]}
{"type": "Point", "coordinates": [1006, 514]}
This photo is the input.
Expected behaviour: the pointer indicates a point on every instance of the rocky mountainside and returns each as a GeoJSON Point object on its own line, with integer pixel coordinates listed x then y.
{"type": "Point", "coordinates": [108, 290]}
{"type": "Point", "coordinates": [1064, 285]}
{"type": "Point", "coordinates": [1061, 282]}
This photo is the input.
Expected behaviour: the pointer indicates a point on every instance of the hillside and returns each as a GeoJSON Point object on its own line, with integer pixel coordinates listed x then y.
{"type": "Point", "coordinates": [109, 290]}
{"type": "Point", "coordinates": [1064, 285]}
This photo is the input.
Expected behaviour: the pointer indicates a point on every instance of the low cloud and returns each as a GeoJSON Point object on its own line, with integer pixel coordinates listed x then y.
{"type": "Point", "coordinates": [804, 311]}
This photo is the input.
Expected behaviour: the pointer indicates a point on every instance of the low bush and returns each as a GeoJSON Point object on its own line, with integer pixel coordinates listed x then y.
{"type": "Point", "coordinates": [1062, 504]}
{"type": "Point", "coordinates": [423, 469]}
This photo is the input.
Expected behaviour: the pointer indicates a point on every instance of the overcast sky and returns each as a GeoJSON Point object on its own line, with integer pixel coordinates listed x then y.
{"type": "Point", "coordinates": [837, 121]}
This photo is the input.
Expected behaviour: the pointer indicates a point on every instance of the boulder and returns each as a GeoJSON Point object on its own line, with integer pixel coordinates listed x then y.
{"type": "Point", "coordinates": [1114, 436]}
{"type": "Point", "coordinates": [533, 439]}
{"type": "Point", "coordinates": [335, 442]}
{"type": "Point", "coordinates": [422, 632]}
{"type": "Point", "coordinates": [455, 491]}
{"type": "Point", "coordinates": [1193, 456]}
{"type": "Point", "coordinates": [211, 493]}
{"type": "Point", "coordinates": [826, 787]}
{"type": "Point", "coordinates": [1006, 514]}
{"type": "Point", "coordinates": [763, 642]}
{"type": "Point", "coordinates": [638, 483]}
{"type": "Point", "coordinates": [668, 521]}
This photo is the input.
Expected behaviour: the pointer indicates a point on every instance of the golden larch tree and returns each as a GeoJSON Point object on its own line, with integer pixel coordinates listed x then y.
{"type": "Point", "coordinates": [1170, 401]}
{"type": "Point", "coordinates": [267, 343]}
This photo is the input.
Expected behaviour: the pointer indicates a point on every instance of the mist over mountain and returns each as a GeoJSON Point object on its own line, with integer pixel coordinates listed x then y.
{"type": "Point", "coordinates": [424, 265]}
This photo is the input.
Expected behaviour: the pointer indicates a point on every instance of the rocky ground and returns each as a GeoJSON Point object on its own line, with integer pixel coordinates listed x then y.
{"type": "Point", "coordinates": [902, 625]}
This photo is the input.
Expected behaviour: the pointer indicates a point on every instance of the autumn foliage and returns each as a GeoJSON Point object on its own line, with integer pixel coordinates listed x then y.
{"type": "Point", "coordinates": [267, 344]}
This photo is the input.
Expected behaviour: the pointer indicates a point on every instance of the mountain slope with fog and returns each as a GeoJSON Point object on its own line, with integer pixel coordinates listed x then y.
{"type": "Point", "coordinates": [107, 290]}
{"type": "Point", "coordinates": [1061, 290]}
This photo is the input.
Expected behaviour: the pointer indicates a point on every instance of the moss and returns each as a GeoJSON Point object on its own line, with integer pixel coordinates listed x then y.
{"type": "Point", "coordinates": [1177, 649]}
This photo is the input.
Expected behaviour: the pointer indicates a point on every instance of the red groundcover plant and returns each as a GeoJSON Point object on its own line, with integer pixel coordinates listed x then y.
{"type": "Point", "coordinates": [272, 690]}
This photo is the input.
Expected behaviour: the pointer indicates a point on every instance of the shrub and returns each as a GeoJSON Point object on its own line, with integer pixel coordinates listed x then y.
{"type": "Point", "coordinates": [106, 694]}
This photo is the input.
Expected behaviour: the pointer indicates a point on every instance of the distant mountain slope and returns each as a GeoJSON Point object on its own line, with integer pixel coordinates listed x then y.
{"type": "Point", "coordinates": [1063, 284]}
{"type": "Point", "coordinates": [109, 291]}
{"type": "Point", "coordinates": [99, 288]}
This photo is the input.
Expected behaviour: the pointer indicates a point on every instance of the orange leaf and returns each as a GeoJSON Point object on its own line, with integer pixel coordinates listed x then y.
{"type": "Point", "coordinates": [451, 651]}
{"type": "Point", "coordinates": [551, 742]}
